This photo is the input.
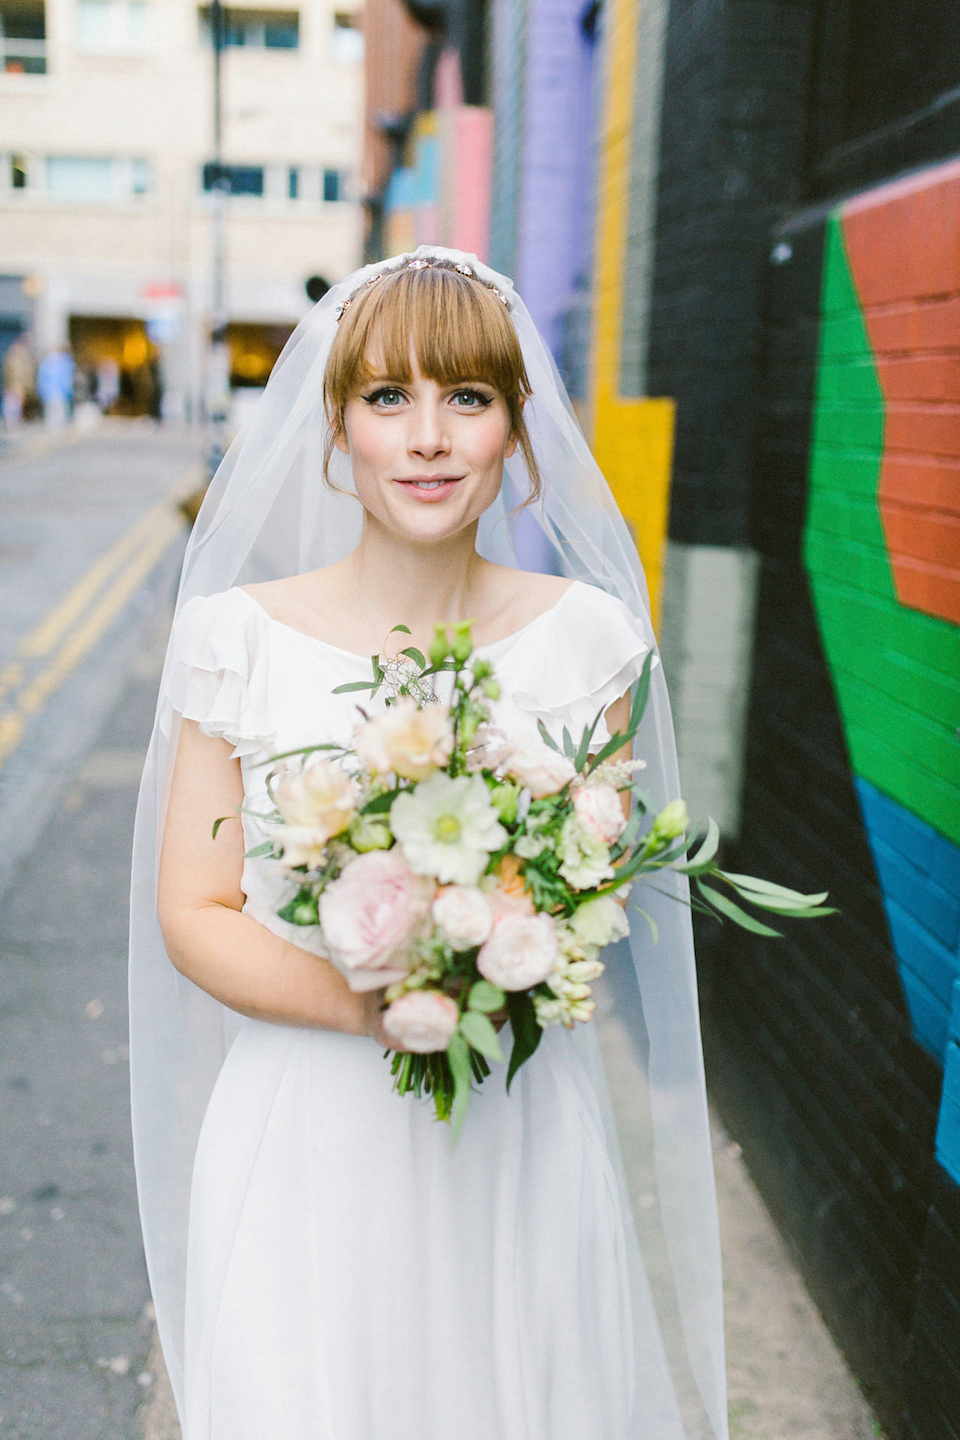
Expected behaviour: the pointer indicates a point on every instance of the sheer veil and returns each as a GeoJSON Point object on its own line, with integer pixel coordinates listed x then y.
{"type": "Point", "coordinates": [267, 514]}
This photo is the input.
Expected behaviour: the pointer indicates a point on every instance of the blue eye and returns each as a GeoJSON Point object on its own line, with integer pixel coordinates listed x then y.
{"type": "Point", "coordinates": [387, 396]}
{"type": "Point", "coordinates": [473, 399]}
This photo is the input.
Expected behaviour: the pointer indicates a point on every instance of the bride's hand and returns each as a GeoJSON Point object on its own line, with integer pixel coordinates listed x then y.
{"type": "Point", "coordinates": [371, 1009]}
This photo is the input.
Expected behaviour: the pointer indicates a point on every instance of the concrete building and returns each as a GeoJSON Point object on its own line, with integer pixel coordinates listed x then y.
{"type": "Point", "coordinates": [106, 175]}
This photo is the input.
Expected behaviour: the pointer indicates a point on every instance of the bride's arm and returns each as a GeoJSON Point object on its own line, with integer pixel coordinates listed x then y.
{"type": "Point", "coordinates": [228, 954]}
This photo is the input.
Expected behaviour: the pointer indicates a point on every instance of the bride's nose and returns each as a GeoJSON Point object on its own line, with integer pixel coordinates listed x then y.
{"type": "Point", "coordinates": [427, 435]}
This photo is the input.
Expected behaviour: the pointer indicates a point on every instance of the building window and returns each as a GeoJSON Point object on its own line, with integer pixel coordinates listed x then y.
{"type": "Point", "coordinates": [18, 172]}
{"type": "Point", "coordinates": [241, 179]}
{"type": "Point", "coordinates": [334, 185]}
{"type": "Point", "coordinates": [256, 29]}
{"type": "Point", "coordinates": [94, 180]}
{"type": "Point", "coordinates": [348, 40]}
{"type": "Point", "coordinates": [23, 37]}
{"type": "Point", "coordinates": [293, 182]}
{"type": "Point", "coordinates": [112, 25]}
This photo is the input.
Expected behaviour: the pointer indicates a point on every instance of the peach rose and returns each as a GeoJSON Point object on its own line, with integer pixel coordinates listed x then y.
{"type": "Point", "coordinates": [410, 741]}
{"type": "Point", "coordinates": [539, 769]}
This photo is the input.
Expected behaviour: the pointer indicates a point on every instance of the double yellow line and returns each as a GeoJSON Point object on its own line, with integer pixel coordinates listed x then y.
{"type": "Point", "coordinates": [49, 652]}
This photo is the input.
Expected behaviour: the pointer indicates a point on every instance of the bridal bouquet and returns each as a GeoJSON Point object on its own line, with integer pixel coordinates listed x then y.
{"type": "Point", "coordinates": [476, 877]}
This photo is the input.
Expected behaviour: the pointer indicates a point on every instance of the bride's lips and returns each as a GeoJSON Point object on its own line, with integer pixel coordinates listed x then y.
{"type": "Point", "coordinates": [429, 488]}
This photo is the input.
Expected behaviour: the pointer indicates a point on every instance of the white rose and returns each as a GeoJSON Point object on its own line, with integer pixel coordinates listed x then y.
{"type": "Point", "coordinates": [321, 797]}
{"type": "Point", "coordinates": [600, 921]}
{"type": "Point", "coordinates": [600, 809]}
{"type": "Point", "coordinates": [463, 915]}
{"type": "Point", "coordinates": [541, 770]}
{"type": "Point", "coordinates": [422, 1021]}
{"type": "Point", "coordinates": [521, 952]}
{"type": "Point", "coordinates": [406, 739]}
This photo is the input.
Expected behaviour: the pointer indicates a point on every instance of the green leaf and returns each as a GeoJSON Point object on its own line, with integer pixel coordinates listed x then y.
{"type": "Point", "coordinates": [654, 930]}
{"type": "Point", "coordinates": [486, 997]}
{"type": "Point", "coordinates": [478, 1031]}
{"type": "Point", "coordinates": [417, 656]}
{"type": "Point", "coordinates": [780, 893]}
{"type": "Point", "coordinates": [380, 804]}
{"type": "Point", "coordinates": [640, 693]}
{"type": "Point", "coordinates": [403, 629]}
{"type": "Point", "coordinates": [217, 823]}
{"type": "Point", "coordinates": [266, 848]}
{"type": "Point", "coordinates": [583, 749]}
{"type": "Point", "coordinates": [569, 749]}
{"type": "Point", "coordinates": [726, 907]}
{"type": "Point", "coordinates": [706, 852]}
{"type": "Point", "coordinates": [370, 685]}
{"type": "Point", "coordinates": [527, 1033]}
{"type": "Point", "coordinates": [458, 1058]}
{"type": "Point", "coordinates": [546, 737]}
{"type": "Point", "coordinates": [303, 750]}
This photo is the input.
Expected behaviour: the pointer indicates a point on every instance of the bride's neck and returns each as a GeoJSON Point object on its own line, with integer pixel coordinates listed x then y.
{"type": "Point", "coordinates": [415, 585]}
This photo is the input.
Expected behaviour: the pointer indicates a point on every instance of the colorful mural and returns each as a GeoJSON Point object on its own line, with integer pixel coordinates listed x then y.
{"type": "Point", "coordinates": [882, 550]}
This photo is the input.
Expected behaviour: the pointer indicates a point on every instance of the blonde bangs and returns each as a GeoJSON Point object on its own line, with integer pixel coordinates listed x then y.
{"type": "Point", "coordinates": [452, 326]}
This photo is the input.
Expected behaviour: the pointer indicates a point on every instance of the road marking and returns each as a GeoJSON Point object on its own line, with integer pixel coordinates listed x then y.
{"type": "Point", "coordinates": [128, 561]}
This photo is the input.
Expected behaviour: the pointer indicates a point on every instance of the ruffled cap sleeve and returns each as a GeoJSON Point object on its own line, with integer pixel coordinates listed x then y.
{"type": "Point", "coordinates": [219, 669]}
{"type": "Point", "coordinates": [593, 651]}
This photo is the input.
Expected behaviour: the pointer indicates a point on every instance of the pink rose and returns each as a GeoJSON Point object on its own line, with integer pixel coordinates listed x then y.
{"type": "Point", "coordinates": [463, 915]}
{"type": "Point", "coordinates": [422, 1021]}
{"type": "Point", "coordinates": [600, 811]}
{"type": "Point", "coordinates": [369, 916]}
{"type": "Point", "coordinates": [539, 769]}
{"type": "Point", "coordinates": [521, 952]}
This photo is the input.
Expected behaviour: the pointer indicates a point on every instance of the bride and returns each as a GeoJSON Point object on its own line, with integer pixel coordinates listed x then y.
{"type": "Point", "coordinates": [327, 1262]}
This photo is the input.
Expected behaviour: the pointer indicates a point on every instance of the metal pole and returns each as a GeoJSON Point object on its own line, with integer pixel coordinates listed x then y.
{"type": "Point", "coordinates": [218, 374]}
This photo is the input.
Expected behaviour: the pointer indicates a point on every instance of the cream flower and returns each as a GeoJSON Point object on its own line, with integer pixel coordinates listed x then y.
{"type": "Point", "coordinates": [600, 810]}
{"type": "Point", "coordinates": [321, 797]}
{"type": "Point", "coordinates": [302, 845]}
{"type": "Point", "coordinates": [585, 860]}
{"type": "Point", "coordinates": [600, 921]}
{"type": "Point", "coordinates": [541, 770]}
{"type": "Point", "coordinates": [422, 1021]}
{"type": "Point", "coordinates": [463, 916]}
{"type": "Point", "coordinates": [410, 741]}
{"type": "Point", "coordinates": [447, 828]}
{"type": "Point", "coordinates": [521, 952]}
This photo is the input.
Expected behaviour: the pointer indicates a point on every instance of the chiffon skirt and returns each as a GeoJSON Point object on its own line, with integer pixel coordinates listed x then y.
{"type": "Point", "coordinates": [354, 1273]}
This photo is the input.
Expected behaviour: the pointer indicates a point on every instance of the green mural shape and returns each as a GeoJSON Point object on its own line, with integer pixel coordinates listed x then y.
{"type": "Point", "coordinates": [896, 670]}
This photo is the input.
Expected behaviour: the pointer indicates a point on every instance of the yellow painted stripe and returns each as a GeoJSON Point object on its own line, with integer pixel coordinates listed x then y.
{"type": "Point", "coordinates": [74, 625]}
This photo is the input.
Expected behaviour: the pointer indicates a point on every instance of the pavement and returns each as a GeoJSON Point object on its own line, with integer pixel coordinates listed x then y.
{"type": "Point", "coordinates": [78, 1359]}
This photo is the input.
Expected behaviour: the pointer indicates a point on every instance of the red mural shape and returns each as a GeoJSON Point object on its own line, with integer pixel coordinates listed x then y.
{"type": "Point", "coordinates": [903, 242]}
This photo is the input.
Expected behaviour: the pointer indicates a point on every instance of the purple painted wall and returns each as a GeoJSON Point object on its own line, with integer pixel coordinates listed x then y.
{"type": "Point", "coordinates": [555, 223]}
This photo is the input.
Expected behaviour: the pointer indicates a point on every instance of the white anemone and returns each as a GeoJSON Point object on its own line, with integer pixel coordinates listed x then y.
{"type": "Point", "coordinates": [447, 828]}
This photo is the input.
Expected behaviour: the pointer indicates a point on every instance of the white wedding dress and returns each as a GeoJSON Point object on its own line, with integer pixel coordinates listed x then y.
{"type": "Point", "coordinates": [352, 1272]}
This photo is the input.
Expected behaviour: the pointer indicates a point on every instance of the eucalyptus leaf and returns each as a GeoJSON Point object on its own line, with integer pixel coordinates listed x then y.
{"type": "Point", "coordinates": [265, 848]}
{"type": "Point", "coordinates": [478, 1031]}
{"type": "Point", "coordinates": [768, 887]}
{"type": "Point", "coordinates": [733, 912]}
{"type": "Point", "coordinates": [654, 928]}
{"type": "Point", "coordinates": [546, 737]}
{"type": "Point", "coordinates": [583, 750]}
{"type": "Point", "coordinates": [458, 1058]}
{"type": "Point", "coordinates": [641, 692]}
{"type": "Point", "coordinates": [303, 750]}
{"type": "Point", "coordinates": [486, 997]}
{"type": "Point", "coordinates": [353, 685]}
{"type": "Point", "coordinates": [417, 656]}
{"type": "Point", "coordinates": [707, 850]}
{"type": "Point", "coordinates": [569, 749]}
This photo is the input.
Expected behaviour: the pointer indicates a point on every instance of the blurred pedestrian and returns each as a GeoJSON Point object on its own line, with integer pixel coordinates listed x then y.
{"type": "Point", "coordinates": [55, 377]}
{"type": "Point", "coordinates": [108, 384]}
{"type": "Point", "coordinates": [18, 381]}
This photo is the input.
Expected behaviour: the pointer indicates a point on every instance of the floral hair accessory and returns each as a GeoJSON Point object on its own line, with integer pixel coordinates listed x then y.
{"type": "Point", "coordinates": [422, 262]}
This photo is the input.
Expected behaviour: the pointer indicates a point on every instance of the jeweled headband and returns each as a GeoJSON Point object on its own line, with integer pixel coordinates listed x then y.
{"type": "Point", "coordinates": [421, 263]}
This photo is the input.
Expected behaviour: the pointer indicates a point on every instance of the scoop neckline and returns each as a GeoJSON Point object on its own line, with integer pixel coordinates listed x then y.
{"type": "Point", "coordinates": [355, 655]}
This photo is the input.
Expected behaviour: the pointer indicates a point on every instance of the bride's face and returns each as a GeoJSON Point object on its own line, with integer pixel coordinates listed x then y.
{"type": "Point", "coordinates": [427, 458]}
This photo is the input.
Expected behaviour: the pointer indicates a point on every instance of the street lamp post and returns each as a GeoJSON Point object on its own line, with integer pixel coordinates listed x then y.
{"type": "Point", "coordinates": [218, 360]}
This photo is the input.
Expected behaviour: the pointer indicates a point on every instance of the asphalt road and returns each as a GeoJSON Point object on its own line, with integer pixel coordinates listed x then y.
{"type": "Point", "coordinates": [75, 1327]}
